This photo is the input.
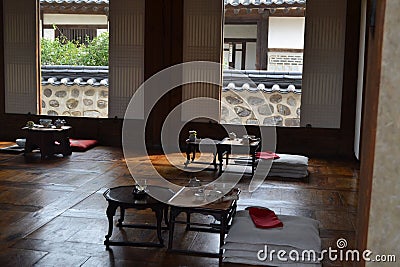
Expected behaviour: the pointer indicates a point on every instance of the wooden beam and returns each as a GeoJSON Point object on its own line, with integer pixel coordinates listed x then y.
{"type": "Point", "coordinates": [262, 44]}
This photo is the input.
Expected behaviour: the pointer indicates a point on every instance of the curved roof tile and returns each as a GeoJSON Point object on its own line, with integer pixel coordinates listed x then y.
{"type": "Point", "coordinates": [237, 80]}
{"type": "Point", "coordinates": [262, 2]}
{"type": "Point", "coordinates": [226, 2]}
{"type": "Point", "coordinates": [75, 75]}
{"type": "Point", "coordinates": [75, 1]}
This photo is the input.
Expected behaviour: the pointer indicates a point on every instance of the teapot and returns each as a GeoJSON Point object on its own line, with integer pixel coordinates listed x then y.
{"type": "Point", "coordinates": [246, 140]}
{"type": "Point", "coordinates": [194, 182]}
{"type": "Point", "coordinates": [232, 136]}
{"type": "Point", "coordinates": [192, 136]}
{"type": "Point", "coordinates": [59, 123]}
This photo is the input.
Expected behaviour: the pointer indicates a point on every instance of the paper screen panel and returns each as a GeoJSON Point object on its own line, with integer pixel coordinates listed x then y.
{"type": "Point", "coordinates": [126, 59]}
{"type": "Point", "coordinates": [202, 41]}
{"type": "Point", "coordinates": [20, 59]}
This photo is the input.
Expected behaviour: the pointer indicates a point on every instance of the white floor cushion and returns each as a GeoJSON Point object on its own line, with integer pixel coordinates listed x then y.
{"type": "Point", "coordinates": [244, 240]}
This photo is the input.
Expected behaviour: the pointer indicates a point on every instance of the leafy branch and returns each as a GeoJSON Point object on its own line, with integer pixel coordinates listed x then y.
{"type": "Point", "coordinates": [62, 51]}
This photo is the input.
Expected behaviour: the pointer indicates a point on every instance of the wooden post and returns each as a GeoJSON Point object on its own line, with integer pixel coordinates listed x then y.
{"type": "Point", "coordinates": [262, 43]}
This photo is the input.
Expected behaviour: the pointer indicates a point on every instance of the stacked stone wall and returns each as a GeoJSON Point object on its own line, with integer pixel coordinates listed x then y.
{"type": "Point", "coordinates": [261, 108]}
{"type": "Point", "coordinates": [74, 100]}
{"type": "Point", "coordinates": [238, 107]}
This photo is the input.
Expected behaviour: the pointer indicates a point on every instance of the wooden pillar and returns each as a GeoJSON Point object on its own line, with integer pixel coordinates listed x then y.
{"type": "Point", "coordinates": [372, 85]}
{"type": "Point", "coordinates": [2, 89]}
{"type": "Point", "coordinates": [262, 43]}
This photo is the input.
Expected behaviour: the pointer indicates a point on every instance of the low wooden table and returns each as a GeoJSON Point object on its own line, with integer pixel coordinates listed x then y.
{"type": "Point", "coordinates": [223, 149]}
{"type": "Point", "coordinates": [226, 146]}
{"type": "Point", "coordinates": [193, 146]}
{"type": "Point", "coordinates": [123, 198]}
{"type": "Point", "coordinates": [50, 141]}
{"type": "Point", "coordinates": [223, 211]}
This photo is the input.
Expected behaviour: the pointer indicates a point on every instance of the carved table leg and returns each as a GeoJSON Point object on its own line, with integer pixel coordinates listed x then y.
{"type": "Point", "coordinates": [122, 217]}
{"type": "Point", "coordinates": [112, 207]}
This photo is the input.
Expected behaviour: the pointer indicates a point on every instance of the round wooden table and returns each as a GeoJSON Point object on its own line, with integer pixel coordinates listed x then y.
{"type": "Point", "coordinates": [123, 198]}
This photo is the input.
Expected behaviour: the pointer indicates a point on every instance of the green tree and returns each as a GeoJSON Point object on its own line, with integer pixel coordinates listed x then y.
{"type": "Point", "coordinates": [66, 52]}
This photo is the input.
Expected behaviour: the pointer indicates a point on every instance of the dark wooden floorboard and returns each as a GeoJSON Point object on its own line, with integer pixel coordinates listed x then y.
{"type": "Point", "coordinates": [53, 211]}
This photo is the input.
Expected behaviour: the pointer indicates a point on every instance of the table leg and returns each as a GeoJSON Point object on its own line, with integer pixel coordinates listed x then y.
{"type": "Point", "coordinates": [44, 151]}
{"type": "Point", "coordinates": [166, 215]}
{"type": "Point", "coordinates": [188, 150]}
{"type": "Point", "coordinates": [28, 146]}
{"type": "Point", "coordinates": [112, 207]}
{"type": "Point", "coordinates": [159, 215]}
{"type": "Point", "coordinates": [121, 217]}
{"type": "Point", "coordinates": [222, 236]}
{"type": "Point", "coordinates": [215, 161]}
{"type": "Point", "coordinates": [194, 153]}
{"type": "Point", "coordinates": [172, 215]}
{"type": "Point", "coordinates": [187, 221]}
{"type": "Point", "coordinates": [66, 148]}
{"type": "Point", "coordinates": [220, 159]}
{"type": "Point", "coordinates": [253, 163]}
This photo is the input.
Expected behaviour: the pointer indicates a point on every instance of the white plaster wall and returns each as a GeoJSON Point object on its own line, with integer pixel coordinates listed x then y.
{"type": "Point", "coordinates": [240, 31]}
{"type": "Point", "coordinates": [48, 34]}
{"type": "Point", "coordinates": [384, 221]}
{"type": "Point", "coordinates": [286, 32]}
{"type": "Point", "coordinates": [100, 31]}
{"type": "Point", "coordinates": [74, 19]}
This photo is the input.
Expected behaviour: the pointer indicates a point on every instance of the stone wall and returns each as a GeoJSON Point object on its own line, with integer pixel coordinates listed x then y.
{"type": "Point", "coordinates": [259, 107]}
{"type": "Point", "coordinates": [238, 106]}
{"type": "Point", "coordinates": [75, 100]}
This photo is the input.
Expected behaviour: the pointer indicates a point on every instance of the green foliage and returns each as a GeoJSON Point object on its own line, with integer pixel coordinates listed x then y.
{"type": "Point", "coordinates": [65, 52]}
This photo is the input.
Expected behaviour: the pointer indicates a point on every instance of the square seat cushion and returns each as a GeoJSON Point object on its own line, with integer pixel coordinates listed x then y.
{"type": "Point", "coordinates": [298, 234]}
{"type": "Point", "coordinates": [82, 145]}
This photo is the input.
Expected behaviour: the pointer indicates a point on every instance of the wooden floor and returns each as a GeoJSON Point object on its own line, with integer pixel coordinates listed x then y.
{"type": "Point", "coordinates": [53, 211]}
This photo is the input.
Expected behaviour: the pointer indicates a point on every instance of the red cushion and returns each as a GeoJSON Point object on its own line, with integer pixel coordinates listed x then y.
{"type": "Point", "coordinates": [82, 145]}
{"type": "Point", "coordinates": [264, 218]}
{"type": "Point", "coordinates": [267, 155]}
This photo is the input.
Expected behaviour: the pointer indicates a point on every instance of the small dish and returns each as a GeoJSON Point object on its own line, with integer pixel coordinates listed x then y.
{"type": "Point", "coordinates": [45, 122]}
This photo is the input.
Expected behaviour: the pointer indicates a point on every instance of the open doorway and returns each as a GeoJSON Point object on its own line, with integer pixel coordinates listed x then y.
{"type": "Point", "coordinates": [265, 42]}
